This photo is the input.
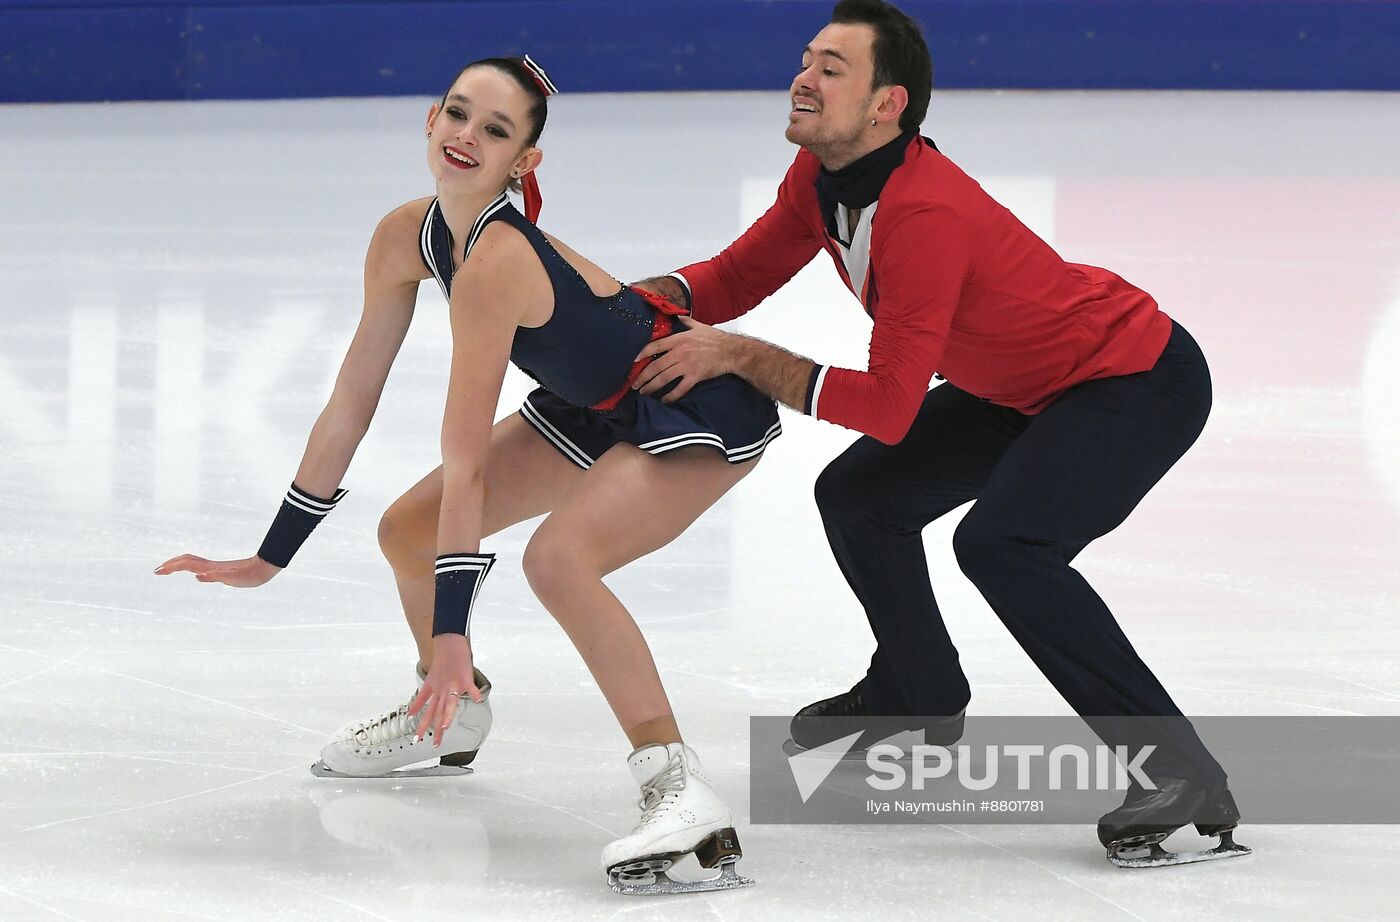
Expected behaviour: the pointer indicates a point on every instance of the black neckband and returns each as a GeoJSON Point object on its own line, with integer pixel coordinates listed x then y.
{"type": "Point", "coordinates": [858, 184]}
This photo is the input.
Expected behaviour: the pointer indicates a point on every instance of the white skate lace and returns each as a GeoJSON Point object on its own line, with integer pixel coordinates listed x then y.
{"type": "Point", "coordinates": [655, 800]}
{"type": "Point", "coordinates": [392, 725]}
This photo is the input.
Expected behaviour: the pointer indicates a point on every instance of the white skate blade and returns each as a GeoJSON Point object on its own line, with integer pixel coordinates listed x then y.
{"type": "Point", "coordinates": [1154, 856]}
{"type": "Point", "coordinates": [321, 770]}
{"type": "Point", "coordinates": [648, 877]}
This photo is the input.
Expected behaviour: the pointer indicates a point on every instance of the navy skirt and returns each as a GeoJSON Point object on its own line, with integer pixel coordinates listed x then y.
{"type": "Point", "coordinates": [726, 413]}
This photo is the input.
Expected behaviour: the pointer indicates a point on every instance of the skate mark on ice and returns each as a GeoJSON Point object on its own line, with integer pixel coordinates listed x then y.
{"type": "Point", "coordinates": [554, 808]}
{"type": "Point", "coordinates": [1386, 695]}
{"type": "Point", "coordinates": [49, 668]}
{"type": "Point", "coordinates": [325, 896]}
{"type": "Point", "coordinates": [887, 884]}
{"type": "Point", "coordinates": [50, 751]}
{"type": "Point", "coordinates": [22, 898]}
{"type": "Point", "coordinates": [1060, 877]}
{"type": "Point", "coordinates": [319, 625]}
{"type": "Point", "coordinates": [753, 690]}
{"type": "Point", "coordinates": [160, 803]}
{"type": "Point", "coordinates": [67, 604]}
{"type": "Point", "coordinates": [196, 695]}
{"type": "Point", "coordinates": [147, 908]}
{"type": "Point", "coordinates": [1276, 695]}
{"type": "Point", "coordinates": [147, 617]}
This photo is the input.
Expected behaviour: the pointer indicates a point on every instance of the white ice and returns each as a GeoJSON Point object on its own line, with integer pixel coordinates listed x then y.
{"type": "Point", "coordinates": [179, 281]}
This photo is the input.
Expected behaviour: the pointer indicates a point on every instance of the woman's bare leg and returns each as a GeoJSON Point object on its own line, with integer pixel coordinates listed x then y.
{"type": "Point", "coordinates": [525, 477]}
{"type": "Point", "coordinates": [629, 504]}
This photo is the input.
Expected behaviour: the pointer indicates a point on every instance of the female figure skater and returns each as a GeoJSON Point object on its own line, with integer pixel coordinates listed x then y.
{"type": "Point", "coordinates": [584, 448]}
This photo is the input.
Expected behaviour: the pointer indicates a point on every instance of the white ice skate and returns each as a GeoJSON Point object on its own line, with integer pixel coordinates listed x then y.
{"type": "Point", "coordinates": [681, 814]}
{"type": "Point", "coordinates": [388, 746]}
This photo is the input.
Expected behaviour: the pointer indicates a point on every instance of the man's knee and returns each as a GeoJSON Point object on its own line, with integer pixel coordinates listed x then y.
{"type": "Point", "coordinates": [995, 547]}
{"type": "Point", "coordinates": [984, 547]}
{"type": "Point", "coordinates": [851, 485]}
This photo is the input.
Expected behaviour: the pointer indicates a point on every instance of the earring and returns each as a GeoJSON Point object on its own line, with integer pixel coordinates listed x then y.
{"type": "Point", "coordinates": [872, 123]}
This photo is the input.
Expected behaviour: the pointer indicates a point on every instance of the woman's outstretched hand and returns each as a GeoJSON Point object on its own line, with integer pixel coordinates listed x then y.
{"type": "Point", "coordinates": [449, 680]}
{"type": "Point", "coordinates": [241, 574]}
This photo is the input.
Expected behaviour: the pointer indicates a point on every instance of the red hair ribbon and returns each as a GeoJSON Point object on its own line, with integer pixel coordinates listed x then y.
{"type": "Point", "coordinates": [530, 186]}
{"type": "Point", "coordinates": [541, 78]}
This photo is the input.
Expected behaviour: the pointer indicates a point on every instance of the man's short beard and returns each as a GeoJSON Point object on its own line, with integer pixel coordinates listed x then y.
{"type": "Point", "coordinates": [829, 149]}
{"type": "Point", "coordinates": [836, 148]}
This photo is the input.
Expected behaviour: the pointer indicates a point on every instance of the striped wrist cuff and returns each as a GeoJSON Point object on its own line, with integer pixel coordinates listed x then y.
{"type": "Point", "coordinates": [457, 580]}
{"type": "Point", "coordinates": [298, 516]}
{"type": "Point", "coordinates": [814, 389]}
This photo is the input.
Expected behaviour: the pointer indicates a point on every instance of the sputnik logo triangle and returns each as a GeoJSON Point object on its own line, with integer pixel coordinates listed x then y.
{"type": "Point", "coordinates": [810, 767]}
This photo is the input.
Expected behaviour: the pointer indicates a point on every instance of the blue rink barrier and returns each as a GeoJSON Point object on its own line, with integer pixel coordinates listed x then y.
{"type": "Point", "coordinates": [65, 50]}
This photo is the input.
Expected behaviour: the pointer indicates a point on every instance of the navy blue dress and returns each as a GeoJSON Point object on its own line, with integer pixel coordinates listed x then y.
{"type": "Point", "coordinates": [583, 359]}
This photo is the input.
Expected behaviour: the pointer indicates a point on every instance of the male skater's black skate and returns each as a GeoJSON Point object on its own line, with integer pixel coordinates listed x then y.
{"type": "Point", "coordinates": [832, 718]}
{"type": "Point", "coordinates": [1133, 833]}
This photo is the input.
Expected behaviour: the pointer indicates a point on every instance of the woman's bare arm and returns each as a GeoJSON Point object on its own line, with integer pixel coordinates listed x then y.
{"type": "Point", "coordinates": [393, 270]}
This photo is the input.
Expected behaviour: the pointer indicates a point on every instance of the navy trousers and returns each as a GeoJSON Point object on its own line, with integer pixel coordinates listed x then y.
{"type": "Point", "coordinates": [1044, 487]}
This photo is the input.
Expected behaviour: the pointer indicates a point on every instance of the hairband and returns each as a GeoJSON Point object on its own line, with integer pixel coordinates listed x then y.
{"type": "Point", "coordinates": [530, 186]}
{"type": "Point", "coordinates": [541, 78]}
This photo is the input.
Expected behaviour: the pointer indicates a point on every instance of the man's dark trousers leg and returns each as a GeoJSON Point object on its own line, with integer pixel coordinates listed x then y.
{"type": "Point", "coordinates": [1045, 486]}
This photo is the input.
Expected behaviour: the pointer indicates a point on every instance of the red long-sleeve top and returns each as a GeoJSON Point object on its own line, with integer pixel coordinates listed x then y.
{"type": "Point", "coordinates": [955, 285]}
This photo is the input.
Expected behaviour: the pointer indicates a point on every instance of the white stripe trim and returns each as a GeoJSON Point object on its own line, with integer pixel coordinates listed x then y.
{"type": "Point", "coordinates": [476, 591]}
{"type": "Point", "coordinates": [301, 500]}
{"type": "Point", "coordinates": [484, 559]}
{"type": "Point", "coordinates": [817, 391]}
{"type": "Point", "coordinates": [552, 435]}
{"type": "Point", "coordinates": [684, 284]}
{"type": "Point", "coordinates": [662, 443]}
{"type": "Point", "coordinates": [741, 453]}
{"type": "Point", "coordinates": [481, 559]}
{"type": "Point", "coordinates": [308, 499]}
{"type": "Point", "coordinates": [550, 88]}
{"type": "Point", "coordinates": [773, 432]}
{"type": "Point", "coordinates": [456, 568]}
{"type": "Point", "coordinates": [425, 243]}
{"type": "Point", "coordinates": [480, 224]}
{"type": "Point", "coordinates": [291, 500]}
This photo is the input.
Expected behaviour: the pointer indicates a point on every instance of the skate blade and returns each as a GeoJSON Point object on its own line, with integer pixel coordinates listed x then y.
{"type": "Point", "coordinates": [904, 741]}
{"type": "Point", "coordinates": [321, 770]}
{"type": "Point", "coordinates": [648, 877]}
{"type": "Point", "coordinates": [790, 749]}
{"type": "Point", "coordinates": [1158, 857]}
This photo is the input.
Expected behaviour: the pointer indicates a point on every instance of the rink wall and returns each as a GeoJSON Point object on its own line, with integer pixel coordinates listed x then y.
{"type": "Point", "coordinates": [62, 50]}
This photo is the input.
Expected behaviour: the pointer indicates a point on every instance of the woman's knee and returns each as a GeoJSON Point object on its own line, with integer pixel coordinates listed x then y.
{"type": "Point", "coordinates": [554, 568]}
{"type": "Point", "coordinates": [408, 532]}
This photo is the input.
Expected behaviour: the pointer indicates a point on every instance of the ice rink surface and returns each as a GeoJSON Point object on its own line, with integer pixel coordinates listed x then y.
{"type": "Point", "coordinates": [179, 281]}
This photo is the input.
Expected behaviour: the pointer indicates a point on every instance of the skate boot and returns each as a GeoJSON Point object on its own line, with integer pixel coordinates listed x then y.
{"type": "Point", "coordinates": [840, 716]}
{"type": "Point", "coordinates": [388, 746]}
{"type": "Point", "coordinates": [1133, 833]}
{"type": "Point", "coordinates": [681, 814]}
